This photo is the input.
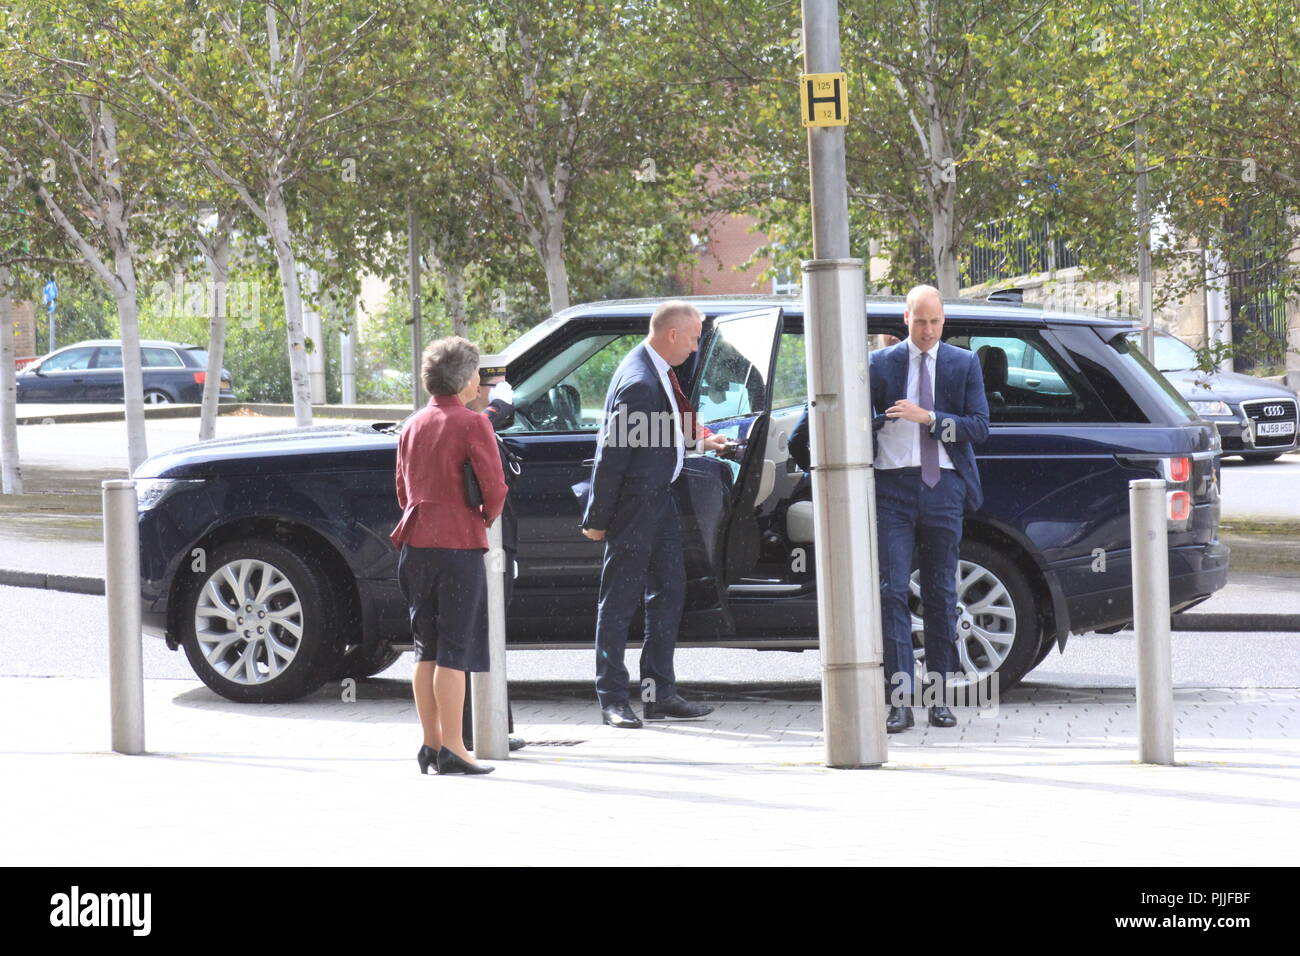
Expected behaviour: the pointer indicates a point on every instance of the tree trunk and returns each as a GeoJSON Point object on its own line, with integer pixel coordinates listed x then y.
{"type": "Point", "coordinates": [557, 272]}
{"type": "Point", "coordinates": [300, 381]}
{"type": "Point", "coordinates": [218, 259]}
{"type": "Point", "coordinates": [137, 448]}
{"type": "Point", "coordinates": [11, 477]}
{"type": "Point", "coordinates": [453, 276]}
{"type": "Point", "coordinates": [943, 244]}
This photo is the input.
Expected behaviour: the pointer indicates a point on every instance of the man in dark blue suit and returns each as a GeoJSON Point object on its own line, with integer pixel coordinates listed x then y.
{"type": "Point", "coordinates": [639, 455]}
{"type": "Point", "coordinates": [929, 411]}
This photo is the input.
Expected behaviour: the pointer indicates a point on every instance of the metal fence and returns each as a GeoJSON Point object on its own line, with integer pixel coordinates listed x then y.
{"type": "Point", "coordinates": [999, 251]}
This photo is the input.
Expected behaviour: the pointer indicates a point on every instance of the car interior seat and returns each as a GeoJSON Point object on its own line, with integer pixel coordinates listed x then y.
{"type": "Point", "coordinates": [993, 364]}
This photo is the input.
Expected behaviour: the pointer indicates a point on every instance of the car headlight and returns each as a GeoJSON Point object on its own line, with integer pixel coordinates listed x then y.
{"type": "Point", "coordinates": [1210, 408]}
{"type": "Point", "coordinates": [150, 491]}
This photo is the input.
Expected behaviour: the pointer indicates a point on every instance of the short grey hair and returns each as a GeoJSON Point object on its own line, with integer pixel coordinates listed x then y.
{"type": "Point", "coordinates": [448, 365]}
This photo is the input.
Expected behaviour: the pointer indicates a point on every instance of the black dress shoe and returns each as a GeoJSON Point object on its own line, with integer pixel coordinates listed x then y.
{"type": "Point", "coordinates": [899, 719]}
{"type": "Point", "coordinates": [517, 743]}
{"type": "Point", "coordinates": [941, 716]}
{"type": "Point", "coordinates": [676, 707]}
{"type": "Point", "coordinates": [621, 716]}
{"type": "Point", "coordinates": [428, 756]}
{"type": "Point", "coordinates": [449, 762]}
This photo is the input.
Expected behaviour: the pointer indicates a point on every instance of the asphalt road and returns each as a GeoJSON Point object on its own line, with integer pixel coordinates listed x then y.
{"type": "Point", "coordinates": [71, 639]}
{"type": "Point", "coordinates": [1268, 491]}
{"type": "Point", "coordinates": [101, 446]}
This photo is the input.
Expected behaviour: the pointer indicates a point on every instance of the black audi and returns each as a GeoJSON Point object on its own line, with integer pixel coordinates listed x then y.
{"type": "Point", "coordinates": [92, 372]}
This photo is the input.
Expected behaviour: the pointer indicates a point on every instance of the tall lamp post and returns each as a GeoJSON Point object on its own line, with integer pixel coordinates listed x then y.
{"type": "Point", "coordinates": [848, 592]}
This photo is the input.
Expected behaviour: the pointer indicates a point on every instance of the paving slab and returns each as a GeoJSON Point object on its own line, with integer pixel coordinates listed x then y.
{"type": "Point", "coordinates": [1050, 779]}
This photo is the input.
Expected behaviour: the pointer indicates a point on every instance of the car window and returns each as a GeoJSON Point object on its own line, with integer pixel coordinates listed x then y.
{"type": "Point", "coordinates": [108, 356]}
{"type": "Point", "coordinates": [1172, 355]}
{"type": "Point", "coordinates": [733, 382]}
{"type": "Point", "coordinates": [1165, 392]}
{"type": "Point", "coordinates": [161, 358]}
{"type": "Point", "coordinates": [567, 392]}
{"type": "Point", "coordinates": [1026, 381]}
{"type": "Point", "coordinates": [71, 360]}
{"type": "Point", "coordinates": [790, 385]}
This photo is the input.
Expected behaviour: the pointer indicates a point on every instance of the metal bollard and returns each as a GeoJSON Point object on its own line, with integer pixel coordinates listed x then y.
{"type": "Point", "coordinates": [122, 593]}
{"type": "Point", "coordinates": [1149, 530]}
{"type": "Point", "coordinates": [491, 733]}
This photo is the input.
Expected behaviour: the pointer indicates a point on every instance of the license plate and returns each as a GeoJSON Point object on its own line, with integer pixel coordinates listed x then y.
{"type": "Point", "coordinates": [1275, 428]}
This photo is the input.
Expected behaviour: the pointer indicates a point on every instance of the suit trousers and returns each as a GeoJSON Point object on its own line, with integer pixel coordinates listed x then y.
{"type": "Point", "coordinates": [911, 516]}
{"type": "Point", "coordinates": [643, 561]}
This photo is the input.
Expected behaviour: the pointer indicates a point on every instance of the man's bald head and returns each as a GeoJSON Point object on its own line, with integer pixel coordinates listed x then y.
{"type": "Point", "coordinates": [924, 316]}
{"type": "Point", "coordinates": [675, 330]}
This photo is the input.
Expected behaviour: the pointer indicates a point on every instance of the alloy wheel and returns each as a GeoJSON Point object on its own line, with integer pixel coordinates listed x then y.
{"type": "Point", "coordinates": [248, 621]}
{"type": "Point", "coordinates": [986, 621]}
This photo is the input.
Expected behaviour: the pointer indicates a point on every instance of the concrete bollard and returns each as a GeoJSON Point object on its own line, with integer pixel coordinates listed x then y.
{"type": "Point", "coordinates": [1149, 530]}
{"type": "Point", "coordinates": [122, 595]}
{"type": "Point", "coordinates": [491, 733]}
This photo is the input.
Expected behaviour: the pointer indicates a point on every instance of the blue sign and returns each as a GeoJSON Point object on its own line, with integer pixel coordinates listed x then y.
{"type": "Point", "coordinates": [51, 296]}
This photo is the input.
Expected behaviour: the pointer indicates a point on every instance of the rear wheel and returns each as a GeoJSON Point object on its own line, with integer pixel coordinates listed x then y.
{"type": "Point", "coordinates": [156, 396]}
{"type": "Point", "coordinates": [260, 625]}
{"type": "Point", "coordinates": [997, 618]}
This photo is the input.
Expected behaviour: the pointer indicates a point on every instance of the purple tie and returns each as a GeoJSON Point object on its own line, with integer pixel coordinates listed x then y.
{"type": "Point", "coordinates": [929, 447]}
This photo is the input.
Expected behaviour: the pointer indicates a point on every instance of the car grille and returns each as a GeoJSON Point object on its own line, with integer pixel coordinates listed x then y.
{"type": "Point", "coordinates": [1267, 411]}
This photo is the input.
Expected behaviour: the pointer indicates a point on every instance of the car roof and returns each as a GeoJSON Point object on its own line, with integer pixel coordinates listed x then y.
{"type": "Point", "coordinates": [882, 306]}
{"type": "Point", "coordinates": [144, 343]}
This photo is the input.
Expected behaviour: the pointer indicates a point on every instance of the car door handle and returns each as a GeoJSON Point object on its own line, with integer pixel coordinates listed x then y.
{"type": "Point", "coordinates": [589, 462]}
{"type": "Point", "coordinates": [1033, 382]}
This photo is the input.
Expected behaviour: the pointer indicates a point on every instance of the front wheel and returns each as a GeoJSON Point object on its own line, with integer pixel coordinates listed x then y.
{"type": "Point", "coordinates": [997, 618]}
{"type": "Point", "coordinates": [260, 624]}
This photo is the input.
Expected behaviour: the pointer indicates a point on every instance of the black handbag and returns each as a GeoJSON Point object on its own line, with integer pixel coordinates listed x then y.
{"type": "Point", "coordinates": [473, 492]}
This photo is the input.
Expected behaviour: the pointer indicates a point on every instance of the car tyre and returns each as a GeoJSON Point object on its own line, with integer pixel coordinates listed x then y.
{"type": "Point", "coordinates": [285, 594]}
{"type": "Point", "coordinates": [997, 628]}
{"type": "Point", "coordinates": [366, 661]}
{"type": "Point", "coordinates": [156, 396]}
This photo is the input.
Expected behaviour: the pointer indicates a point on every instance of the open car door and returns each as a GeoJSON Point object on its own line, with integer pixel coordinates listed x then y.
{"type": "Point", "coordinates": [717, 499]}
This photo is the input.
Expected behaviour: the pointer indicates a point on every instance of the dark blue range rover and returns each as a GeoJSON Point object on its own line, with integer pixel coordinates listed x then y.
{"type": "Point", "coordinates": [268, 558]}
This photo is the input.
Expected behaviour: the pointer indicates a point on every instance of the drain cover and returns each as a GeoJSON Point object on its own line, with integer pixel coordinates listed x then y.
{"type": "Point", "coordinates": [555, 743]}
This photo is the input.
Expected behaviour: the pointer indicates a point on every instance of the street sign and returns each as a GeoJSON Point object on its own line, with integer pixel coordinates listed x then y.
{"type": "Point", "coordinates": [823, 99]}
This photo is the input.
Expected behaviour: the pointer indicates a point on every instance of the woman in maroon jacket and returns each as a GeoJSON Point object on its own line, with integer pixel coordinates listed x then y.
{"type": "Point", "coordinates": [442, 540]}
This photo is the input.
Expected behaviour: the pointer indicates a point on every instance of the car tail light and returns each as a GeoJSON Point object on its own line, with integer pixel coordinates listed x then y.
{"type": "Point", "coordinates": [200, 378]}
{"type": "Point", "coordinates": [1180, 505]}
{"type": "Point", "coordinates": [1178, 470]}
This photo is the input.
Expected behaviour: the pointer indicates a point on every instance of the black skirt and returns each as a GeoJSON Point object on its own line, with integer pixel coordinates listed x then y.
{"type": "Point", "coordinates": [446, 590]}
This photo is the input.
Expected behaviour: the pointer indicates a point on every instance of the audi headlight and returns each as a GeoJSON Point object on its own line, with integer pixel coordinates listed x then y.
{"type": "Point", "coordinates": [150, 491]}
{"type": "Point", "coordinates": [1211, 408]}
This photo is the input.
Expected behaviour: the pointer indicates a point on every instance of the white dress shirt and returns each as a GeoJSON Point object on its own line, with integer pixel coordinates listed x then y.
{"type": "Point", "coordinates": [898, 443]}
{"type": "Point", "coordinates": [662, 366]}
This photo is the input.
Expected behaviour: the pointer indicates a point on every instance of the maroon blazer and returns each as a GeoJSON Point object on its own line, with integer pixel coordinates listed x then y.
{"type": "Point", "coordinates": [431, 451]}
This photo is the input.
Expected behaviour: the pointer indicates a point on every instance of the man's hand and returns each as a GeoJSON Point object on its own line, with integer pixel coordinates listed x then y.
{"type": "Point", "coordinates": [503, 391]}
{"type": "Point", "coordinates": [908, 411]}
{"type": "Point", "coordinates": [593, 534]}
{"type": "Point", "coordinates": [716, 443]}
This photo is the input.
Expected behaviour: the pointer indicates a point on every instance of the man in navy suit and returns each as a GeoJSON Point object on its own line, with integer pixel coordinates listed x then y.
{"type": "Point", "coordinates": [638, 457]}
{"type": "Point", "coordinates": [929, 411]}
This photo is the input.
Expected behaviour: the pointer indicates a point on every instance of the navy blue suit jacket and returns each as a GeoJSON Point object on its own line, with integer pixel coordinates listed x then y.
{"type": "Point", "coordinates": [624, 469]}
{"type": "Point", "coordinates": [960, 399]}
